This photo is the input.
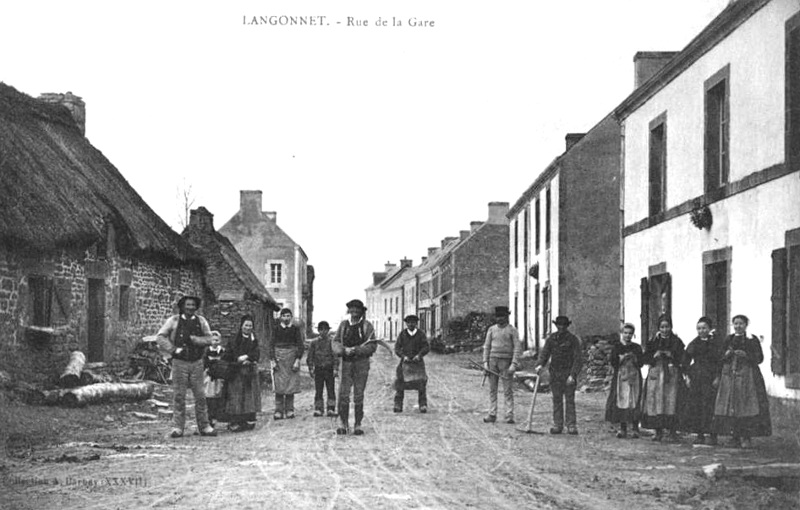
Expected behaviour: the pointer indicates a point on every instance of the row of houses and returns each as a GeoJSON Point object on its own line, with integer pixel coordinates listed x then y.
{"type": "Point", "coordinates": [464, 274]}
{"type": "Point", "coordinates": [682, 200]}
{"type": "Point", "coordinates": [86, 264]}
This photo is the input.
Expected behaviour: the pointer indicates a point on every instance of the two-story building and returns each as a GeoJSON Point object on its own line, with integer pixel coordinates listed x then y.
{"type": "Point", "coordinates": [710, 181]}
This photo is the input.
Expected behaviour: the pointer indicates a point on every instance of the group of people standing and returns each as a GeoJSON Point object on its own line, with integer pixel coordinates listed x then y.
{"type": "Point", "coordinates": [711, 387]}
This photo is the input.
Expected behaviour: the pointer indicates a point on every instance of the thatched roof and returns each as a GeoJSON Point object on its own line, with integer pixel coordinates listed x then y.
{"type": "Point", "coordinates": [227, 274]}
{"type": "Point", "coordinates": [58, 191]}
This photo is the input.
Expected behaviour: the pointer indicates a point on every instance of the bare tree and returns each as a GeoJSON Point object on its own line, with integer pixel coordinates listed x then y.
{"type": "Point", "coordinates": [185, 199]}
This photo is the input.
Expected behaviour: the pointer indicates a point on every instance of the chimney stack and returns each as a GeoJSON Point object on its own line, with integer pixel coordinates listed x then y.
{"type": "Point", "coordinates": [271, 216]}
{"type": "Point", "coordinates": [463, 234]}
{"type": "Point", "coordinates": [404, 262]}
{"type": "Point", "coordinates": [250, 205]}
{"type": "Point", "coordinates": [389, 266]}
{"type": "Point", "coordinates": [202, 220]}
{"type": "Point", "coordinates": [74, 104]}
{"type": "Point", "coordinates": [497, 213]}
{"type": "Point", "coordinates": [573, 138]}
{"type": "Point", "coordinates": [432, 251]}
{"type": "Point", "coordinates": [378, 278]}
{"type": "Point", "coordinates": [475, 225]}
{"type": "Point", "coordinates": [424, 259]}
{"type": "Point", "coordinates": [447, 240]}
{"type": "Point", "coordinates": [648, 63]}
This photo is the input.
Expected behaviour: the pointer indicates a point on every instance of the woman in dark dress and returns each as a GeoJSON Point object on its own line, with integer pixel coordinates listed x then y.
{"type": "Point", "coordinates": [242, 391]}
{"type": "Point", "coordinates": [742, 408]}
{"type": "Point", "coordinates": [663, 386]}
{"type": "Point", "coordinates": [701, 369]}
{"type": "Point", "coordinates": [626, 385]}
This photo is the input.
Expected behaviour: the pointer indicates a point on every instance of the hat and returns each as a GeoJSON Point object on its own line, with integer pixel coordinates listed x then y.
{"type": "Point", "coordinates": [410, 318]}
{"type": "Point", "coordinates": [182, 301]}
{"type": "Point", "coordinates": [356, 303]}
{"type": "Point", "coordinates": [500, 311]}
{"type": "Point", "coordinates": [323, 324]}
{"type": "Point", "coordinates": [562, 320]}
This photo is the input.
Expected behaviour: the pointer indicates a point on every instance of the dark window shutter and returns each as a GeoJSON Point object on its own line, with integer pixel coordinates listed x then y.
{"type": "Point", "coordinates": [793, 318]}
{"type": "Point", "coordinates": [645, 314]}
{"type": "Point", "coordinates": [666, 291]}
{"type": "Point", "coordinates": [779, 312]}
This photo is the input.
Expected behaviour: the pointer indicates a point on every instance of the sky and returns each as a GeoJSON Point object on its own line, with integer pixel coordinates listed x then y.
{"type": "Point", "coordinates": [372, 143]}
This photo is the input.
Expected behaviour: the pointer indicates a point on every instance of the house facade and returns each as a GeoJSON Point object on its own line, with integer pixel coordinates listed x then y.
{"type": "Point", "coordinates": [710, 180]}
{"type": "Point", "coordinates": [232, 289]}
{"type": "Point", "coordinates": [275, 258]}
{"type": "Point", "coordinates": [85, 264]}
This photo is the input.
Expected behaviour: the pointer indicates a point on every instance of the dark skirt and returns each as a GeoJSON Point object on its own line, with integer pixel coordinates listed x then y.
{"type": "Point", "coordinates": [622, 405]}
{"type": "Point", "coordinates": [742, 407]}
{"type": "Point", "coordinates": [697, 409]}
{"type": "Point", "coordinates": [661, 397]}
{"type": "Point", "coordinates": [243, 394]}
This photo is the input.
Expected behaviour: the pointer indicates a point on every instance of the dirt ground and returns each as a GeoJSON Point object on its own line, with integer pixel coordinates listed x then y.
{"type": "Point", "coordinates": [103, 457]}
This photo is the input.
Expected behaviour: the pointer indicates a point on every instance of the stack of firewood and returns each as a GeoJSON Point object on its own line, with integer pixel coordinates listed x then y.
{"type": "Point", "coordinates": [598, 363]}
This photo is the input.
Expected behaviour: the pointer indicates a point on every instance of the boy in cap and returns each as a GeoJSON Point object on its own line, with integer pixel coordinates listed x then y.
{"type": "Point", "coordinates": [501, 352]}
{"type": "Point", "coordinates": [323, 367]}
{"type": "Point", "coordinates": [563, 350]}
{"type": "Point", "coordinates": [186, 335]}
{"type": "Point", "coordinates": [353, 344]}
{"type": "Point", "coordinates": [412, 345]}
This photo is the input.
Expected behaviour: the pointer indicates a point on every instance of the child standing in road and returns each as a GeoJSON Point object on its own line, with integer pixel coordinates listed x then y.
{"type": "Point", "coordinates": [626, 385]}
{"type": "Point", "coordinates": [323, 368]}
{"type": "Point", "coordinates": [412, 345]}
{"type": "Point", "coordinates": [214, 385]}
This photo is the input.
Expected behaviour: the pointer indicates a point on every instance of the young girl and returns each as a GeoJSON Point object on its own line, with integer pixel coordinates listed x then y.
{"type": "Point", "coordinates": [214, 386]}
{"type": "Point", "coordinates": [741, 409]}
{"type": "Point", "coordinates": [663, 353]}
{"type": "Point", "coordinates": [623, 401]}
{"type": "Point", "coordinates": [701, 367]}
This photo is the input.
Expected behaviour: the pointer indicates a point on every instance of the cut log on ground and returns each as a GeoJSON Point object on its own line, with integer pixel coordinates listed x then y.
{"type": "Point", "coordinates": [71, 377]}
{"type": "Point", "coordinates": [776, 470]}
{"type": "Point", "coordinates": [107, 392]}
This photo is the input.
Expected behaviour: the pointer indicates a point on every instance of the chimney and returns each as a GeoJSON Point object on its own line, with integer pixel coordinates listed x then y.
{"type": "Point", "coordinates": [202, 220]}
{"type": "Point", "coordinates": [389, 266]}
{"type": "Point", "coordinates": [404, 262]}
{"type": "Point", "coordinates": [497, 213]}
{"type": "Point", "coordinates": [271, 216]}
{"type": "Point", "coordinates": [475, 225]}
{"type": "Point", "coordinates": [74, 104]}
{"type": "Point", "coordinates": [447, 240]}
{"type": "Point", "coordinates": [573, 138]}
{"type": "Point", "coordinates": [648, 63]}
{"type": "Point", "coordinates": [433, 251]}
{"type": "Point", "coordinates": [250, 205]}
{"type": "Point", "coordinates": [463, 234]}
{"type": "Point", "coordinates": [378, 278]}
{"type": "Point", "coordinates": [424, 259]}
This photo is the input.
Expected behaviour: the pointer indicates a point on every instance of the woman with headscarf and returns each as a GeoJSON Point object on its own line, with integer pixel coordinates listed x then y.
{"type": "Point", "coordinates": [242, 391]}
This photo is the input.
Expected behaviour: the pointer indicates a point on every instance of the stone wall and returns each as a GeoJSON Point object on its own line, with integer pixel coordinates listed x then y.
{"type": "Point", "coordinates": [39, 356]}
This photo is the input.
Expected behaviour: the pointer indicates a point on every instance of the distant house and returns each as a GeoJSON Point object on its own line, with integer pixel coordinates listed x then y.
{"type": "Point", "coordinates": [275, 258]}
{"type": "Point", "coordinates": [232, 288]}
{"type": "Point", "coordinates": [85, 263]}
{"type": "Point", "coordinates": [385, 299]}
{"type": "Point", "coordinates": [711, 180]}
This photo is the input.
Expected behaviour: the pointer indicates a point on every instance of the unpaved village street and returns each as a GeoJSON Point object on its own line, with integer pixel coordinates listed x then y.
{"type": "Point", "coordinates": [445, 459]}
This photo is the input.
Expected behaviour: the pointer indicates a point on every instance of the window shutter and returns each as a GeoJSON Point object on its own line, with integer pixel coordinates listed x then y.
{"type": "Point", "coordinates": [793, 318]}
{"type": "Point", "coordinates": [62, 297]}
{"type": "Point", "coordinates": [666, 291]}
{"type": "Point", "coordinates": [779, 312]}
{"type": "Point", "coordinates": [645, 314]}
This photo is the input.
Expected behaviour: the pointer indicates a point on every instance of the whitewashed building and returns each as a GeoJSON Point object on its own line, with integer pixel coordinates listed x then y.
{"type": "Point", "coordinates": [711, 189]}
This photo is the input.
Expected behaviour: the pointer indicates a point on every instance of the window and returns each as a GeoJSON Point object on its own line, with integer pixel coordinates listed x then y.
{"type": "Point", "coordinates": [516, 309]}
{"type": "Point", "coordinates": [124, 302]}
{"type": "Point", "coordinates": [41, 291]}
{"type": "Point", "coordinates": [525, 299]}
{"type": "Point", "coordinates": [546, 309]}
{"type": "Point", "coordinates": [538, 222]}
{"type": "Point", "coordinates": [793, 92]}
{"type": "Point", "coordinates": [658, 164]}
{"type": "Point", "coordinates": [547, 214]}
{"type": "Point", "coordinates": [716, 288]}
{"type": "Point", "coordinates": [526, 228]}
{"type": "Point", "coordinates": [275, 274]}
{"type": "Point", "coordinates": [516, 242]}
{"type": "Point", "coordinates": [786, 310]}
{"type": "Point", "coordinates": [656, 293]}
{"type": "Point", "coordinates": [717, 130]}
{"type": "Point", "coordinates": [536, 315]}
{"type": "Point", "coordinates": [385, 306]}
{"type": "Point", "coordinates": [397, 305]}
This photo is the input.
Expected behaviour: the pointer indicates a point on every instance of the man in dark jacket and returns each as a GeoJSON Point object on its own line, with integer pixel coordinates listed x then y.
{"type": "Point", "coordinates": [354, 342]}
{"type": "Point", "coordinates": [323, 367]}
{"type": "Point", "coordinates": [412, 345]}
{"type": "Point", "coordinates": [563, 350]}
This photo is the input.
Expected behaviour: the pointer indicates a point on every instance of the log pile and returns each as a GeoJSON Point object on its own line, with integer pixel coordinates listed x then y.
{"type": "Point", "coordinates": [598, 363]}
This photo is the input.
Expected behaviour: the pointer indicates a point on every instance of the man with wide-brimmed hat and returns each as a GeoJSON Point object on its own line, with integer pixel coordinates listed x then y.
{"type": "Point", "coordinates": [353, 343]}
{"type": "Point", "coordinates": [501, 352]}
{"type": "Point", "coordinates": [563, 350]}
{"type": "Point", "coordinates": [186, 336]}
{"type": "Point", "coordinates": [411, 347]}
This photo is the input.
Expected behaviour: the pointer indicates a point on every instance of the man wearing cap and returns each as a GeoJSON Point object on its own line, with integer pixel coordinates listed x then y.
{"type": "Point", "coordinates": [563, 350]}
{"type": "Point", "coordinates": [501, 352]}
{"type": "Point", "coordinates": [353, 344]}
{"type": "Point", "coordinates": [186, 335]}
{"type": "Point", "coordinates": [411, 346]}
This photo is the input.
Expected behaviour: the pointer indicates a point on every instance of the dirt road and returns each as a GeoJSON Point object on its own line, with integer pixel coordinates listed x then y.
{"type": "Point", "coordinates": [445, 459]}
